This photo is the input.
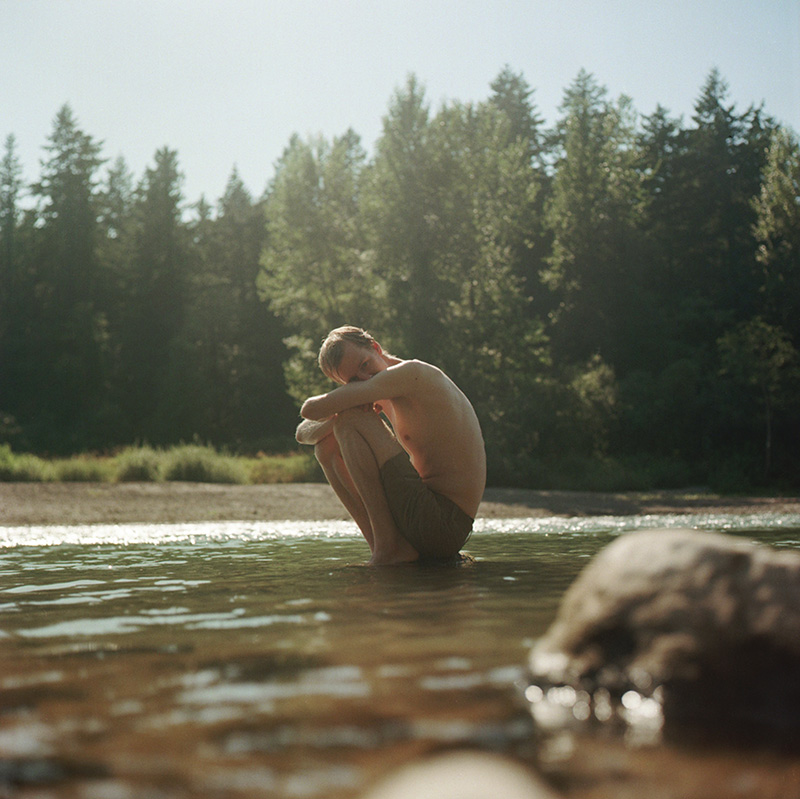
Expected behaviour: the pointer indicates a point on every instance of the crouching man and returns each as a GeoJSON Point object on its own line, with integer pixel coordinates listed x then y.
{"type": "Point", "coordinates": [413, 488]}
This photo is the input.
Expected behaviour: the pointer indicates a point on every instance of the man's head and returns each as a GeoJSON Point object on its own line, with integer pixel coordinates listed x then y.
{"type": "Point", "coordinates": [337, 342]}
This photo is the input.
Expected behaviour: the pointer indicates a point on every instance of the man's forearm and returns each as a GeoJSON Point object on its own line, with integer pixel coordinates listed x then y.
{"type": "Point", "coordinates": [314, 408]}
{"type": "Point", "coordinates": [325, 406]}
{"type": "Point", "coordinates": [311, 432]}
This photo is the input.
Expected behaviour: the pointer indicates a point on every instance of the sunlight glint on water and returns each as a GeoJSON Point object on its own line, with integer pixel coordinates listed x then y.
{"type": "Point", "coordinates": [127, 534]}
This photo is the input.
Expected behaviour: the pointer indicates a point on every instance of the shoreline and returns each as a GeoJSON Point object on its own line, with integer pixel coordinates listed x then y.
{"type": "Point", "coordinates": [24, 504]}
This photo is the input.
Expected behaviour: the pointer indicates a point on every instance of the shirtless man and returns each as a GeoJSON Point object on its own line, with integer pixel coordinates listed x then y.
{"type": "Point", "coordinates": [413, 489]}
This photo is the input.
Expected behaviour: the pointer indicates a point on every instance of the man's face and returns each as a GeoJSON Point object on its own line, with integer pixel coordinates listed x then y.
{"type": "Point", "coordinates": [359, 363]}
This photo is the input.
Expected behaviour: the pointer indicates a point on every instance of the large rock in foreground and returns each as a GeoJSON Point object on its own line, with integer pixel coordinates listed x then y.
{"type": "Point", "coordinates": [707, 624]}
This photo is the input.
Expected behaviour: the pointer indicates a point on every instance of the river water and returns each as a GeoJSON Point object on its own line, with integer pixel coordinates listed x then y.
{"type": "Point", "coordinates": [265, 660]}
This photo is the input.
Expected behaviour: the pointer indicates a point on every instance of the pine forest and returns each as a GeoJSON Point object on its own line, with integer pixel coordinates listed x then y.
{"type": "Point", "coordinates": [617, 294]}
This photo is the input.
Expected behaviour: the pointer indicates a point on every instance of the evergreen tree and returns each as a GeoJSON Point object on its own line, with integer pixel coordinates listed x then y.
{"type": "Point", "coordinates": [666, 229]}
{"type": "Point", "coordinates": [316, 272]}
{"type": "Point", "coordinates": [155, 288]}
{"type": "Point", "coordinates": [512, 96]}
{"type": "Point", "coordinates": [115, 253]}
{"type": "Point", "coordinates": [68, 191]}
{"type": "Point", "coordinates": [65, 381]}
{"type": "Point", "coordinates": [485, 193]}
{"type": "Point", "coordinates": [777, 232]}
{"type": "Point", "coordinates": [259, 405]}
{"type": "Point", "coordinates": [595, 211]}
{"type": "Point", "coordinates": [13, 306]}
{"type": "Point", "coordinates": [117, 200]}
{"type": "Point", "coordinates": [760, 357]}
{"type": "Point", "coordinates": [401, 208]}
{"type": "Point", "coordinates": [10, 189]}
{"type": "Point", "coordinates": [228, 380]}
{"type": "Point", "coordinates": [721, 173]}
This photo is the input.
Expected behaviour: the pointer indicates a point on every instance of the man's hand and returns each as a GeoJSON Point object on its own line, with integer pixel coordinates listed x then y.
{"type": "Point", "coordinates": [311, 433]}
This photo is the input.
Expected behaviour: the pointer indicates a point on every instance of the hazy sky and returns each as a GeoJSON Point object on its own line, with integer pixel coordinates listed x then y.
{"type": "Point", "coordinates": [227, 82]}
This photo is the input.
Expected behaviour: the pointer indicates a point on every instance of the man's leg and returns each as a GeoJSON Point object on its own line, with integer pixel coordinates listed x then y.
{"type": "Point", "coordinates": [366, 444]}
{"type": "Point", "coordinates": [330, 459]}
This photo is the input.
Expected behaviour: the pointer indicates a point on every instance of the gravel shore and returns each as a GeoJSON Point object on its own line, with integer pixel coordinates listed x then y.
{"type": "Point", "coordinates": [118, 503]}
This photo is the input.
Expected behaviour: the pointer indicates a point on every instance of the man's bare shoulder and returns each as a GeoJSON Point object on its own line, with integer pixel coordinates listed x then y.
{"type": "Point", "coordinates": [414, 373]}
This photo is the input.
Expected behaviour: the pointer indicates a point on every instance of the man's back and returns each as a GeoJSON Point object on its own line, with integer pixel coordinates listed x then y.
{"type": "Point", "coordinates": [436, 424]}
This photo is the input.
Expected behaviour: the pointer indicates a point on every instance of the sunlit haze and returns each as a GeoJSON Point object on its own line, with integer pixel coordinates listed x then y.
{"type": "Point", "coordinates": [227, 82]}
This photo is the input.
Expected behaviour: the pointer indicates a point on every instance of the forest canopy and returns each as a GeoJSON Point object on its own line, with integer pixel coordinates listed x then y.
{"type": "Point", "coordinates": [616, 289]}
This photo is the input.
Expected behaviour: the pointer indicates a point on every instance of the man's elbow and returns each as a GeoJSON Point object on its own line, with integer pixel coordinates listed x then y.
{"type": "Point", "coordinates": [311, 409]}
{"type": "Point", "coordinates": [307, 409]}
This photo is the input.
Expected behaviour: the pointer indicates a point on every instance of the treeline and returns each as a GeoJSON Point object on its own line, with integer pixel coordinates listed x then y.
{"type": "Point", "coordinates": [614, 290]}
{"type": "Point", "coordinates": [126, 317]}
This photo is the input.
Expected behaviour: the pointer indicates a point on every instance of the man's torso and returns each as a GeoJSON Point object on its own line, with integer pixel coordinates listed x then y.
{"type": "Point", "coordinates": [437, 426]}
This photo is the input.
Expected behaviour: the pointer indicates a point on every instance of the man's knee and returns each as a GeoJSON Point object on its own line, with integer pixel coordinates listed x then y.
{"type": "Point", "coordinates": [353, 419]}
{"type": "Point", "coordinates": [358, 426]}
{"type": "Point", "coordinates": [326, 450]}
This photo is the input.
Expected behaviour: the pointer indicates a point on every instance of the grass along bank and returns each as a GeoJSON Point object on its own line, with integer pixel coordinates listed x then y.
{"type": "Point", "coordinates": [196, 463]}
{"type": "Point", "coordinates": [187, 462]}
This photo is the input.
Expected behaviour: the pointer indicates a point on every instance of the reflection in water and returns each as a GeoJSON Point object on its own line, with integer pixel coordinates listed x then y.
{"type": "Point", "coordinates": [266, 659]}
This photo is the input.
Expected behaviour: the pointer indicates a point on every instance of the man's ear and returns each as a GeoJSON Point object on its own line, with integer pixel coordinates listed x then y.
{"type": "Point", "coordinates": [377, 347]}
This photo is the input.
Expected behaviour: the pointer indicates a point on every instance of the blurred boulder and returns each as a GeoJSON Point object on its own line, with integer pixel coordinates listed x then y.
{"type": "Point", "coordinates": [706, 624]}
{"type": "Point", "coordinates": [462, 775]}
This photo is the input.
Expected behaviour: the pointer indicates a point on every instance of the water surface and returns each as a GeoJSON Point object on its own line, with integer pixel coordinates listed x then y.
{"type": "Point", "coordinates": [242, 659]}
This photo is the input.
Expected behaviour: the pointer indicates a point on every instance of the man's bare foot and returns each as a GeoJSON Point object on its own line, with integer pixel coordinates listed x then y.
{"type": "Point", "coordinates": [402, 553]}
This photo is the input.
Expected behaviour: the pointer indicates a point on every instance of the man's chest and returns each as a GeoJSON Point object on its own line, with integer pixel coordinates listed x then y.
{"type": "Point", "coordinates": [420, 434]}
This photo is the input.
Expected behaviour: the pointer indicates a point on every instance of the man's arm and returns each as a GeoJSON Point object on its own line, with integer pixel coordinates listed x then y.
{"type": "Point", "coordinates": [396, 381]}
{"type": "Point", "coordinates": [311, 433]}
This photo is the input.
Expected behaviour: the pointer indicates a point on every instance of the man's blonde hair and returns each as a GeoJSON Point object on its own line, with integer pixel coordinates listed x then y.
{"type": "Point", "coordinates": [332, 350]}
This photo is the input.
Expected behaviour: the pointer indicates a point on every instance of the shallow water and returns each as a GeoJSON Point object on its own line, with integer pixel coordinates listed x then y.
{"type": "Point", "coordinates": [234, 660]}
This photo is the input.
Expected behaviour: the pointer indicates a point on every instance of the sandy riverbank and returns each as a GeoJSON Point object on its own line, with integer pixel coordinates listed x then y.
{"type": "Point", "coordinates": [110, 503]}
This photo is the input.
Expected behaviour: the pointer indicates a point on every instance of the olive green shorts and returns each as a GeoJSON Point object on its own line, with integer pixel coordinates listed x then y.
{"type": "Point", "coordinates": [433, 524]}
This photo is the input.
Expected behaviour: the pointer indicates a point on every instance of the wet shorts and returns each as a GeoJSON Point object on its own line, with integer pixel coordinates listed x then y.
{"type": "Point", "coordinates": [433, 524]}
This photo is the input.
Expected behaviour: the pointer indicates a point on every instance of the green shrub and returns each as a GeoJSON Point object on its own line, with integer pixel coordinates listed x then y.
{"type": "Point", "coordinates": [22, 468]}
{"type": "Point", "coordinates": [297, 467]}
{"type": "Point", "coordinates": [81, 470]}
{"type": "Point", "coordinates": [6, 462]}
{"type": "Point", "coordinates": [198, 464]}
{"type": "Point", "coordinates": [138, 465]}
